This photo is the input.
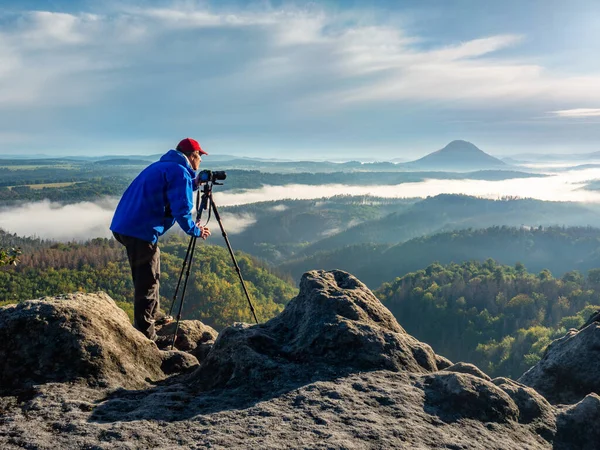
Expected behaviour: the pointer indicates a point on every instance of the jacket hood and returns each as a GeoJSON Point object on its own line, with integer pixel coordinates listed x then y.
{"type": "Point", "coordinates": [177, 157]}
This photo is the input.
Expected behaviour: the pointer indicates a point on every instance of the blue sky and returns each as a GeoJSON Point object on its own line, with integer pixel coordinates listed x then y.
{"type": "Point", "coordinates": [379, 79]}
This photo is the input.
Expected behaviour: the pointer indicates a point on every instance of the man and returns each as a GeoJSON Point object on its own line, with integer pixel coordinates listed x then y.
{"type": "Point", "coordinates": [160, 195]}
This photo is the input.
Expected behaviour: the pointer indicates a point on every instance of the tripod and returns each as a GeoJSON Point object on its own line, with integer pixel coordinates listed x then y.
{"type": "Point", "coordinates": [203, 203]}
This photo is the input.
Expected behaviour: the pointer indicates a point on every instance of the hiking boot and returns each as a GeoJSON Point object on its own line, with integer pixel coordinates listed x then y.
{"type": "Point", "coordinates": [164, 342]}
{"type": "Point", "coordinates": [163, 320]}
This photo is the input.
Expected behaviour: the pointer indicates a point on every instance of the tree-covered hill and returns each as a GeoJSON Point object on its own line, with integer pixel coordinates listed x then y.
{"type": "Point", "coordinates": [283, 228]}
{"type": "Point", "coordinates": [501, 318]}
{"type": "Point", "coordinates": [453, 212]}
{"type": "Point", "coordinates": [556, 248]}
{"type": "Point", "coordinates": [293, 229]}
{"type": "Point", "coordinates": [214, 292]}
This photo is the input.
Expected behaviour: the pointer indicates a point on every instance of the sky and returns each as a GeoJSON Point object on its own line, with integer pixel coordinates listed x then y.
{"type": "Point", "coordinates": [331, 79]}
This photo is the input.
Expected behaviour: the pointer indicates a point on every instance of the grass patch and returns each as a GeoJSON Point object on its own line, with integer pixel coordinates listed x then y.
{"type": "Point", "coordinates": [37, 167]}
{"type": "Point", "coordinates": [52, 185]}
{"type": "Point", "coordinates": [46, 185]}
{"type": "Point", "coordinates": [8, 302]}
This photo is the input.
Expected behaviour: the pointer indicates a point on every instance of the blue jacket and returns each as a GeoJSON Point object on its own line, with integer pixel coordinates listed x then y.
{"type": "Point", "coordinates": [160, 195]}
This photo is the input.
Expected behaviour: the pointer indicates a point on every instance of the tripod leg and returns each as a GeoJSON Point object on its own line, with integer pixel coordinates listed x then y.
{"type": "Point", "coordinates": [185, 282]}
{"type": "Point", "coordinates": [237, 267]}
{"type": "Point", "coordinates": [185, 261]}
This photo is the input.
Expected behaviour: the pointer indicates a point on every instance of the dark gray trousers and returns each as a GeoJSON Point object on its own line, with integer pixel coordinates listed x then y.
{"type": "Point", "coordinates": [144, 260]}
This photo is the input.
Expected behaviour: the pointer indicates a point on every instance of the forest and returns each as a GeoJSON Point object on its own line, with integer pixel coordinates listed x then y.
{"type": "Point", "coordinates": [214, 293]}
{"type": "Point", "coordinates": [499, 317]}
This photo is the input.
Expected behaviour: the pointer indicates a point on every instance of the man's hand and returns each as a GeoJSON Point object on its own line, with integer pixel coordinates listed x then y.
{"type": "Point", "coordinates": [204, 231]}
{"type": "Point", "coordinates": [201, 178]}
{"type": "Point", "coordinates": [197, 182]}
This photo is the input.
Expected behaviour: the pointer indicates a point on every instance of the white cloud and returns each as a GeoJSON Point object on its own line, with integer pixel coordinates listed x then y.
{"type": "Point", "coordinates": [476, 47]}
{"type": "Point", "coordinates": [66, 47]}
{"type": "Point", "coordinates": [578, 112]}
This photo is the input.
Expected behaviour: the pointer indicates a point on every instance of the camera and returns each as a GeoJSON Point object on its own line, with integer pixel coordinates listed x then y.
{"type": "Point", "coordinates": [212, 176]}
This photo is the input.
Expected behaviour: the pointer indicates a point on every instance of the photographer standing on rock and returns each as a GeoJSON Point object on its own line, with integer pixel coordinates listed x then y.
{"type": "Point", "coordinates": [160, 195]}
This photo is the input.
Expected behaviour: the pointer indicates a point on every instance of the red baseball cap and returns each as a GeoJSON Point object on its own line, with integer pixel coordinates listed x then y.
{"type": "Point", "coordinates": [189, 145]}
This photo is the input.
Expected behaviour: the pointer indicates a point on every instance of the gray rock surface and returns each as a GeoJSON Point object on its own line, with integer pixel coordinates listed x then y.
{"type": "Point", "coordinates": [176, 361]}
{"type": "Point", "coordinates": [569, 369]}
{"type": "Point", "coordinates": [533, 408]}
{"type": "Point", "coordinates": [462, 367]}
{"type": "Point", "coordinates": [192, 336]}
{"type": "Point", "coordinates": [577, 426]}
{"type": "Point", "coordinates": [76, 337]}
{"type": "Point", "coordinates": [442, 362]}
{"type": "Point", "coordinates": [453, 396]}
{"type": "Point", "coordinates": [374, 410]}
{"type": "Point", "coordinates": [335, 324]}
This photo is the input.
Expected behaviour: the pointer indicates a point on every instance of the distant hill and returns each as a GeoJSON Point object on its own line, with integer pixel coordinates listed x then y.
{"type": "Point", "coordinates": [123, 162]}
{"type": "Point", "coordinates": [558, 249]}
{"type": "Point", "coordinates": [555, 157]}
{"type": "Point", "coordinates": [454, 212]}
{"type": "Point", "coordinates": [459, 156]}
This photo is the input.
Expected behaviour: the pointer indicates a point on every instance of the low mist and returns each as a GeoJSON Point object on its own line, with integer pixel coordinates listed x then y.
{"type": "Point", "coordinates": [47, 220]}
{"type": "Point", "coordinates": [85, 220]}
{"type": "Point", "coordinates": [566, 186]}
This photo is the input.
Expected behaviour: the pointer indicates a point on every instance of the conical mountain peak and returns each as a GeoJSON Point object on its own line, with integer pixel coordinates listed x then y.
{"type": "Point", "coordinates": [458, 155]}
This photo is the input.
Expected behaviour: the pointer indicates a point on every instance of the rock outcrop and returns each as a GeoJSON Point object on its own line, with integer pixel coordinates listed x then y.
{"type": "Point", "coordinates": [453, 396]}
{"type": "Point", "coordinates": [333, 370]}
{"type": "Point", "coordinates": [534, 409]}
{"type": "Point", "coordinates": [77, 337]}
{"type": "Point", "coordinates": [177, 361]}
{"type": "Point", "coordinates": [471, 369]}
{"type": "Point", "coordinates": [569, 369]}
{"type": "Point", "coordinates": [577, 425]}
{"type": "Point", "coordinates": [334, 324]}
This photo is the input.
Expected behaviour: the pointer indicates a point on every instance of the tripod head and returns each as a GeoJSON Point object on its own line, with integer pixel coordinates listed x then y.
{"type": "Point", "coordinates": [210, 178]}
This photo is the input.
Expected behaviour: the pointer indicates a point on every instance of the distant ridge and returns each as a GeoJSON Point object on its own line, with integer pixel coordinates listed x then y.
{"type": "Point", "coordinates": [459, 156]}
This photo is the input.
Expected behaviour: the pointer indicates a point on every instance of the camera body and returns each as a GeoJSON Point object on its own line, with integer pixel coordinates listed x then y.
{"type": "Point", "coordinates": [211, 176]}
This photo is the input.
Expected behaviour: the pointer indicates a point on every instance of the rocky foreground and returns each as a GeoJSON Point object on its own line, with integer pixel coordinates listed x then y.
{"type": "Point", "coordinates": [333, 370]}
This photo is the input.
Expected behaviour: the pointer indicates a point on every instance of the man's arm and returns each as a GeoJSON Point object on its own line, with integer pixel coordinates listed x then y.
{"type": "Point", "coordinates": [181, 198]}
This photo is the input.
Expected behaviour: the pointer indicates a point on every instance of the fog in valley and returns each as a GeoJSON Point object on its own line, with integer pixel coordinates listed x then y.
{"type": "Point", "coordinates": [84, 220]}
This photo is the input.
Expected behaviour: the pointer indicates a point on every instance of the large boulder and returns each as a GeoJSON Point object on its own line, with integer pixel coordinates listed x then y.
{"type": "Point", "coordinates": [76, 337]}
{"type": "Point", "coordinates": [335, 322]}
{"type": "Point", "coordinates": [569, 369]}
